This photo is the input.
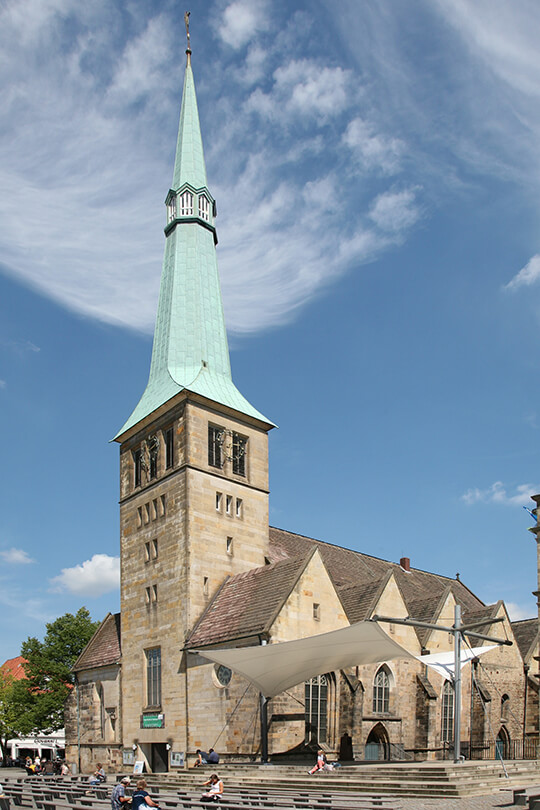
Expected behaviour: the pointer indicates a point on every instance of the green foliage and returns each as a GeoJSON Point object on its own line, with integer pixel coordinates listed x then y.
{"type": "Point", "coordinates": [9, 712]}
{"type": "Point", "coordinates": [42, 696]}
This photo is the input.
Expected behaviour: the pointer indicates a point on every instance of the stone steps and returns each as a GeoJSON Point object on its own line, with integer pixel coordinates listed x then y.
{"type": "Point", "coordinates": [398, 779]}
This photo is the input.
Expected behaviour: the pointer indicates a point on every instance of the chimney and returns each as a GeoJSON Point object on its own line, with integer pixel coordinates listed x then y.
{"type": "Point", "coordinates": [405, 563]}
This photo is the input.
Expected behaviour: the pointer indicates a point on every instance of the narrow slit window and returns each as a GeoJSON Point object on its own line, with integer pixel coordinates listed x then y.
{"type": "Point", "coordinates": [205, 586]}
{"type": "Point", "coordinates": [147, 552]}
{"type": "Point", "coordinates": [148, 596]}
{"type": "Point", "coordinates": [155, 548]}
{"type": "Point", "coordinates": [229, 545]}
{"type": "Point", "coordinates": [219, 501]}
{"type": "Point", "coordinates": [147, 513]}
{"type": "Point", "coordinates": [239, 506]}
{"type": "Point", "coordinates": [154, 594]}
{"type": "Point", "coordinates": [316, 611]}
{"type": "Point", "coordinates": [154, 509]}
{"type": "Point", "coordinates": [163, 499]}
{"type": "Point", "coordinates": [139, 516]}
{"type": "Point", "coordinates": [228, 504]}
{"type": "Point", "coordinates": [153, 677]}
{"type": "Point", "coordinates": [169, 448]}
{"type": "Point", "coordinates": [137, 467]}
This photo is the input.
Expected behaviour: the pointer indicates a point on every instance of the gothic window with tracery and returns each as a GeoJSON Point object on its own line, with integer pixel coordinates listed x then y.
{"type": "Point", "coordinates": [447, 729]}
{"type": "Point", "coordinates": [381, 691]}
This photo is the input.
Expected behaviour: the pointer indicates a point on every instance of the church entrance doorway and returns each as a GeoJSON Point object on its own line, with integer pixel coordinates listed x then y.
{"type": "Point", "coordinates": [377, 744]}
{"type": "Point", "coordinates": [502, 744]}
{"type": "Point", "coordinates": [159, 758]}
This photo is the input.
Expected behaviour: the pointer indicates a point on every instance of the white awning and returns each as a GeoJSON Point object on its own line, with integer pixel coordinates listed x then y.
{"type": "Point", "coordinates": [443, 662]}
{"type": "Point", "coordinates": [276, 667]}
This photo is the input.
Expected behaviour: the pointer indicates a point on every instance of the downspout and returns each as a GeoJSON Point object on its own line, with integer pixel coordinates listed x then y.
{"type": "Point", "coordinates": [474, 666]}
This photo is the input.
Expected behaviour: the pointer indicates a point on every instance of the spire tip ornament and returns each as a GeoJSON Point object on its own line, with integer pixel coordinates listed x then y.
{"type": "Point", "coordinates": [187, 15]}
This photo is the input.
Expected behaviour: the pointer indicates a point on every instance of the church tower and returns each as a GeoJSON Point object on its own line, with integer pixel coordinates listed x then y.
{"type": "Point", "coordinates": [193, 466]}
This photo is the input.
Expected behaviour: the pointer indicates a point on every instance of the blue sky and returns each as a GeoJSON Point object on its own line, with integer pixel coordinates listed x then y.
{"type": "Point", "coordinates": [377, 171]}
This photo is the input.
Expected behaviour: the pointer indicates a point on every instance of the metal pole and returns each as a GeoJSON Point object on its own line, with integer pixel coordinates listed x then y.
{"type": "Point", "coordinates": [264, 728]}
{"type": "Point", "coordinates": [457, 683]}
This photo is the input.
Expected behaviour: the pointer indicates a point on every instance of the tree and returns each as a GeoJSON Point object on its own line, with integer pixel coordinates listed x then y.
{"type": "Point", "coordinates": [49, 679]}
{"type": "Point", "coordinates": [9, 712]}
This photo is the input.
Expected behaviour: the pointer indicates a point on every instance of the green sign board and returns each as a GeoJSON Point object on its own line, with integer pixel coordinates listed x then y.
{"type": "Point", "coordinates": [152, 721]}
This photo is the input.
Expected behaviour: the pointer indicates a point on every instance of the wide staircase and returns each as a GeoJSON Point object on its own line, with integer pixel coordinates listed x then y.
{"type": "Point", "coordinates": [437, 779]}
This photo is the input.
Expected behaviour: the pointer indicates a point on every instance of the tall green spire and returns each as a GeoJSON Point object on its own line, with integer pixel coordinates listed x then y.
{"type": "Point", "coordinates": [190, 349]}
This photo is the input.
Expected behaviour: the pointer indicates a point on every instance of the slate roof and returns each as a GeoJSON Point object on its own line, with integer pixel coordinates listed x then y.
{"type": "Point", "coordinates": [526, 632]}
{"type": "Point", "coordinates": [14, 668]}
{"type": "Point", "coordinates": [104, 648]}
{"type": "Point", "coordinates": [420, 589]}
{"type": "Point", "coordinates": [247, 604]}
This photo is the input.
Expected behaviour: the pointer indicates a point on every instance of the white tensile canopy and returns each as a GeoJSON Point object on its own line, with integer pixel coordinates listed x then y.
{"type": "Point", "coordinates": [276, 667]}
{"type": "Point", "coordinates": [444, 664]}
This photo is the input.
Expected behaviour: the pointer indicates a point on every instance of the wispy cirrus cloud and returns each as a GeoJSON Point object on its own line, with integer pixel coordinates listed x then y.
{"type": "Point", "coordinates": [94, 577]}
{"type": "Point", "coordinates": [15, 556]}
{"type": "Point", "coordinates": [498, 493]}
{"type": "Point", "coordinates": [527, 276]}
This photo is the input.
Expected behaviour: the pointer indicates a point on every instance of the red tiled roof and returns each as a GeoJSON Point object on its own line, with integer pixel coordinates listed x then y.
{"type": "Point", "coordinates": [14, 668]}
{"type": "Point", "coordinates": [104, 648]}
{"type": "Point", "coordinates": [247, 604]}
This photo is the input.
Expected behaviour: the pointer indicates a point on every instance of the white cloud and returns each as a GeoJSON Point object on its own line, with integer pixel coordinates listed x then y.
{"type": "Point", "coordinates": [94, 577]}
{"type": "Point", "coordinates": [528, 275]}
{"type": "Point", "coordinates": [497, 493]}
{"type": "Point", "coordinates": [3, 383]}
{"type": "Point", "coordinates": [518, 612]}
{"type": "Point", "coordinates": [241, 20]}
{"type": "Point", "coordinates": [303, 88]}
{"type": "Point", "coordinates": [395, 210]}
{"type": "Point", "coordinates": [96, 176]}
{"type": "Point", "coordinates": [372, 149]}
{"type": "Point", "coordinates": [15, 556]}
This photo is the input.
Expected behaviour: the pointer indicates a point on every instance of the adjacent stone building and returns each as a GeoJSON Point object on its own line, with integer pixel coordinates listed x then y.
{"type": "Point", "coordinates": [200, 567]}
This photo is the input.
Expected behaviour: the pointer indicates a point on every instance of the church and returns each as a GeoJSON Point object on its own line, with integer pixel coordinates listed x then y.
{"type": "Point", "coordinates": [201, 568]}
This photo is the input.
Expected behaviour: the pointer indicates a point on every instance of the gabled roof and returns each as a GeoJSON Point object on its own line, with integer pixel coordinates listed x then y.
{"type": "Point", "coordinates": [248, 603]}
{"type": "Point", "coordinates": [104, 648]}
{"type": "Point", "coordinates": [359, 600]}
{"type": "Point", "coordinates": [14, 668]}
{"type": "Point", "coordinates": [353, 568]}
{"type": "Point", "coordinates": [526, 635]}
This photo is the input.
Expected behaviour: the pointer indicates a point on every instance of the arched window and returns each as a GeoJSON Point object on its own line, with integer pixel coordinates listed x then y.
{"type": "Point", "coordinates": [186, 204]}
{"type": "Point", "coordinates": [505, 708]}
{"type": "Point", "coordinates": [171, 209]}
{"type": "Point", "coordinates": [204, 207]}
{"type": "Point", "coordinates": [316, 705]}
{"type": "Point", "coordinates": [381, 691]}
{"type": "Point", "coordinates": [447, 726]}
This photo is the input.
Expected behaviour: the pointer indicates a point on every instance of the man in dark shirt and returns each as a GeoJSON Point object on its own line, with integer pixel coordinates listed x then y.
{"type": "Point", "coordinates": [213, 757]}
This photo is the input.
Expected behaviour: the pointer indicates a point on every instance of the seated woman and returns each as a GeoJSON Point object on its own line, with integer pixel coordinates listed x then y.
{"type": "Point", "coordinates": [215, 789]}
{"type": "Point", "coordinates": [140, 797]}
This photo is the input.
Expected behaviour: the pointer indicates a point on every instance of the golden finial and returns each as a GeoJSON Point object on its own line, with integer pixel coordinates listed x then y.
{"type": "Point", "coordinates": [186, 20]}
